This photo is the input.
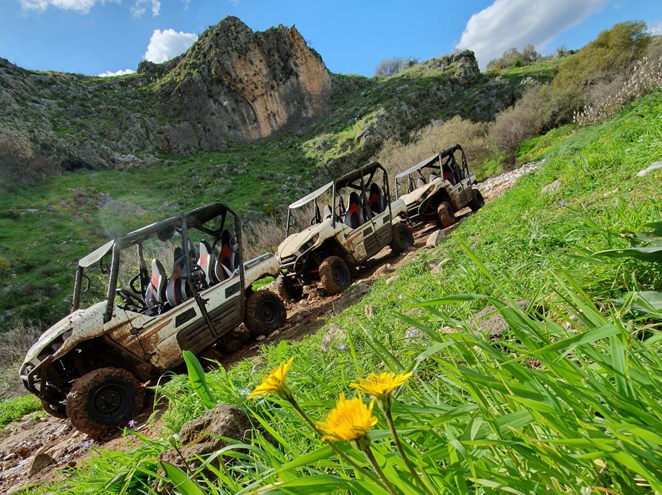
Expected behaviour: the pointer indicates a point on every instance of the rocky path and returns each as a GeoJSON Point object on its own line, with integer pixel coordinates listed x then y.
{"type": "Point", "coordinates": [39, 447]}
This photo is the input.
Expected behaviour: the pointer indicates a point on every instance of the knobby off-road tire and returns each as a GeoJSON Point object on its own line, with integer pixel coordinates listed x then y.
{"type": "Point", "coordinates": [402, 240]}
{"type": "Point", "coordinates": [446, 216]}
{"type": "Point", "coordinates": [265, 313]}
{"type": "Point", "coordinates": [287, 291]}
{"type": "Point", "coordinates": [104, 399]}
{"type": "Point", "coordinates": [56, 412]}
{"type": "Point", "coordinates": [334, 274]}
{"type": "Point", "coordinates": [477, 202]}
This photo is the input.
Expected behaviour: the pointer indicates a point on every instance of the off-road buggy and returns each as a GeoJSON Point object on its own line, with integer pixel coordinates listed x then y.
{"type": "Point", "coordinates": [343, 234]}
{"type": "Point", "coordinates": [89, 366]}
{"type": "Point", "coordinates": [437, 188]}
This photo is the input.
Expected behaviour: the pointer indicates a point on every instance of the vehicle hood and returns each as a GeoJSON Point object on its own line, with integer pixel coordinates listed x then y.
{"type": "Point", "coordinates": [293, 243]}
{"type": "Point", "coordinates": [79, 322]}
{"type": "Point", "coordinates": [419, 194]}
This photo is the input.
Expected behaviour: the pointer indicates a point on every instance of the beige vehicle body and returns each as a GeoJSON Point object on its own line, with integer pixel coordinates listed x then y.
{"type": "Point", "coordinates": [442, 178]}
{"type": "Point", "coordinates": [354, 232]}
{"type": "Point", "coordinates": [143, 341]}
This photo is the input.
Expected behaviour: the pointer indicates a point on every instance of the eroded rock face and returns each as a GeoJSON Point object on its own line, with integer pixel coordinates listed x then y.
{"type": "Point", "coordinates": [244, 85]}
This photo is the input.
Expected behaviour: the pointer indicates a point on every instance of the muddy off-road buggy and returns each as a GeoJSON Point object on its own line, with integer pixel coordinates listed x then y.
{"type": "Point", "coordinates": [437, 188]}
{"type": "Point", "coordinates": [343, 234]}
{"type": "Point", "coordinates": [90, 365]}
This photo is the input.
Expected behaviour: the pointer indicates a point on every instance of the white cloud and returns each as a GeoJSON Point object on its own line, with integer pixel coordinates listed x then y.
{"type": "Point", "coordinates": [117, 73]}
{"type": "Point", "coordinates": [140, 7]}
{"type": "Point", "coordinates": [656, 28]}
{"type": "Point", "coordinates": [167, 44]}
{"type": "Point", "coordinates": [508, 23]}
{"type": "Point", "coordinates": [82, 6]}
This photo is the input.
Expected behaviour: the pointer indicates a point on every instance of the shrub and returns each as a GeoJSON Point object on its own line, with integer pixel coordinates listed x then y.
{"type": "Point", "coordinates": [644, 78]}
{"type": "Point", "coordinates": [391, 66]}
{"type": "Point", "coordinates": [514, 58]}
{"type": "Point", "coordinates": [472, 136]}
{"type": "Point", "coordinates": [13, 345]}
{"type": "Point", "coordinates": [522, 121]}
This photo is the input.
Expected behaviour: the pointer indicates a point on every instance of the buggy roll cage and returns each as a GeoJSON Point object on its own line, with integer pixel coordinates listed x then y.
{"type": "Point", "coordinates": [446, 158]}
{"type": "Point", "coordinates": [347, 180]}
{"type": "Point", "coordinates": [197, 219]}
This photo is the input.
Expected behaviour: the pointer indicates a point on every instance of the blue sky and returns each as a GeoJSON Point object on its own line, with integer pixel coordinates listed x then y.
{"type": "Point", "coordinates": [95, 36]}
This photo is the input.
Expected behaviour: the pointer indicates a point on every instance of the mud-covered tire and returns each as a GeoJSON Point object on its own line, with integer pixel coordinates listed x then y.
{"type": "Point", "coordinates": [104, 399]}
{"type": "Point", "coordinates": [334, 274]}
{"type": "Point", "coordinates": [402, 240]}
{"type": "Point", "coordinates": [265, 313]}
{"type": "Point", "coordinates": [477, 202]}
{"type": "Point", "coordinates": [446, 215]}
{"type": "Point", "coordinates": [53, 410]}
{"type": "Point", "coordinates": [287, 291]}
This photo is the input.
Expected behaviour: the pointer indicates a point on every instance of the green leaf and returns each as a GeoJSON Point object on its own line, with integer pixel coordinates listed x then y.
{"type": "Point", "coordinates": [651, 254]}
{"type": "Point", "coordinates": [196, 377]}
{"type": "Point", "coordinates": [180, 480]}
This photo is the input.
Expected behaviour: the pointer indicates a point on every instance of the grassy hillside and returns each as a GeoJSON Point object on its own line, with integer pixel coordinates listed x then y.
{"type": "Point", "coordinates": [523, 415]}
{"type": "Point", "coordinates": [46, 227]}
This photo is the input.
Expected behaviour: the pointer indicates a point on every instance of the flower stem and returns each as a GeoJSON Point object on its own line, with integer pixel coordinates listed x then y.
{"type": "Point", "coordinates": [391, 425]}
{"type": "Point", "coordinates": [340, 454]}
{"type": "Point", "coordinates": [373, 462]}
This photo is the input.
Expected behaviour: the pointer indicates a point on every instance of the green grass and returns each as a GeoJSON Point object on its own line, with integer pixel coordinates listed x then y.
{"type": "Point", "coordinates": [478, 417]}
{"type": "Point", "coordinates": [15, 408]}
{"type": "Point", "coordinates": [46, 228]}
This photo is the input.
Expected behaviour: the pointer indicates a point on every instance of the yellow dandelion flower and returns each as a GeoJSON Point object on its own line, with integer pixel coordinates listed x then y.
{"type": "Point", "coordinates": [274, 382]}
{"type": "Point", "coordinates": [350, 420]}
{"type": "Point", "coordinates": [382, 385]}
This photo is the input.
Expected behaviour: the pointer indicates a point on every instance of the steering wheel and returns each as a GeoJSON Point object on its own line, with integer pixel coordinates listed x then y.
{"type": "Point", "coordinates": [130, 300]}
{"type": "Point", "coordinates": [132, 284]}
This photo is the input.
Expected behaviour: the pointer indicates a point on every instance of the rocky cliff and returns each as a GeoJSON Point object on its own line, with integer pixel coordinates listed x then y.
{"type": "Point", "coordinates": [233, 84]}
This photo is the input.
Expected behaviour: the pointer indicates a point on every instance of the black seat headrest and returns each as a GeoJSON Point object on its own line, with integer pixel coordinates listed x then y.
{"type": "Point", "coordinates": [354, 216]}
{"type": "Point", "coordinates": [377, 201]}
{"type": "Point", "coordinates": [420, 182]}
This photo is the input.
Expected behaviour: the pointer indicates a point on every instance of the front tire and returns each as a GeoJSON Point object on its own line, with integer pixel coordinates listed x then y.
{"type": "Point", "coordinates": [334, 274]}
{"type": "Point", "coordinates": [104, 399]}
{"type": "Point", "coordinates": [477, 202]}
{"type": "Point", "coordinates": [446, 215]}
{"type": "Point", "coordinates": [402, 240]}
{"type": "Point", "coordinates": [265, 313]}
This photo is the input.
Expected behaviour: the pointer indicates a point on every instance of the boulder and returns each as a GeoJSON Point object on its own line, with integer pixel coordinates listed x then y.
{"type": "Point", "coordinates": [436, 238]}
{"type": "Point", "coordinates": [200, 436]}
{"type": "Point", "coordinates": [551, 188]}
{"type": "Point", "coordinates": [40, 462]}
{"type": "Point", "coordinates": [651, 168]}
{"type": "Point", "coordinates": [383, 270]}
{"type": "Point", "coordinates": [495, 325]}
{"type": "Point", "coordinates": [392, 279]}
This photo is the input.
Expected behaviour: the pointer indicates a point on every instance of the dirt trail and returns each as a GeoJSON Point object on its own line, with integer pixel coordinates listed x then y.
{"type": "Point", "coordinates": [38, 449]}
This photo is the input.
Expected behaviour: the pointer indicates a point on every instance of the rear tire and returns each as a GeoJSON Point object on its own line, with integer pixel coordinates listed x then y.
{"type": "Point", "coordinates": [104, 399]}
{"type": "Point", "coordinates": [402, 240]}
{"type": "Point", "coordinates": [265, 313]}
{"type": "Point", "coordinates": [287, 291]}
{"type": "Point", "coordinates": [446, 216]}
{"type": "Point", "coordinates": [477, 202]}
{"type": "Point", "coordinates": [334, 274]}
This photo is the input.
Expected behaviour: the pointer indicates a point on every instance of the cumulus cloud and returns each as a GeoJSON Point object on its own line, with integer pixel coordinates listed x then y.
{"type": "Point", "coordinates": [508, 23]}
{"type": "Point", "coordinates": [117, 73]}
{"type": "Point", "coordinates": [167, 44]}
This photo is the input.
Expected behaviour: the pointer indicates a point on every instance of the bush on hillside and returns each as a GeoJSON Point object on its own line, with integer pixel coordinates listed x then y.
{"type": "Point", "coordinates": [473, 137]}
{"type": "Point", "coordinates": [514, 58]}
{"type": "Point", "coordinates": [394, 65]}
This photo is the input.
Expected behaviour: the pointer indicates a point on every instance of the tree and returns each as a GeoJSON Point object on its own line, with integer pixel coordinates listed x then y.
{"type": "Point", "coordinates": [390, 66]}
